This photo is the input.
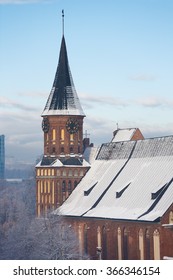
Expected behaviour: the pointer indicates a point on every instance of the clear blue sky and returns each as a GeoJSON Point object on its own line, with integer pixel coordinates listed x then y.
{"type": "Point", "coordinates": [121, 58]}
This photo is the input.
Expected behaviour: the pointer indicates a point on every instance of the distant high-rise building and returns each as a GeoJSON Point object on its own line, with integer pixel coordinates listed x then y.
{"type": "Point", "coordinates": [2, 156]}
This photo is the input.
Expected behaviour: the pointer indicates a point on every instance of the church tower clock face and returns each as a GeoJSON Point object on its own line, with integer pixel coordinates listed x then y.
{"type": "Point", "coordinates": [45, 125]}
{"type": "Point", "coordinates": [72, 126]}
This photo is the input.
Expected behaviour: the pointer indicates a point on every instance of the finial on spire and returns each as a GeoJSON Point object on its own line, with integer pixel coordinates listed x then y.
{"type": "Point", "coordinates": [63, 22]}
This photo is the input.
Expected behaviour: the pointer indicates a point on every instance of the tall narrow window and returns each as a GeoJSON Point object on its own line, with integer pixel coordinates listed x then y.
{"type": "Point", "coordinates": [69, 187]}
{"type": "Point", "coordinates": [53, 134]}
{"type": "Point", "coordinates": [62, 134]}
{"type": "Point", "coordinates": [156, 243]}
{"type": "Point", "coordinates": [80, 235]}
{"type": "Point", "coordinates": [119, 245]}
{"type": "Point", "coordinates": [38, 191]}
{"type": "Point", "coordinates": [85, 240]}
{"type": "Point", "coordinates": [147, 245]}
{"type": "Point", "coordinates": [63, 191]}
{"type": "Point", "coordinates": [71, 137]}
{"type": "Point", "coordinates": [141, 244]}
{"type": "Point", "coordinates": [171, 217]}
{"type": "Point", "coordinates": [125, 244]}
{"type": "Point", "coordinates": [104, 243]}
{"type": "Point", "coordinates": [99, 243]}
{"type": "Point", "coordinates": [53, 191]}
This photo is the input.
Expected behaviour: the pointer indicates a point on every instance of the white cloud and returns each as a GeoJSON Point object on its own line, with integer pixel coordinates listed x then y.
{"type": "Point", "coordinates": [88, 100]}
{"type": "Point", "coordinates": [143, 77]}
{"type": "Point", "coordinates": [9, 103]}
{"type": "Point", "coordinates": [154, 101]}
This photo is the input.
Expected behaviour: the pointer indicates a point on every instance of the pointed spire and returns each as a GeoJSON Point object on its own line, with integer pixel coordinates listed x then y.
{"type": "Point", "coordinates": [63, 99]}
{"type": "Point", "coordinates": [62, 22]}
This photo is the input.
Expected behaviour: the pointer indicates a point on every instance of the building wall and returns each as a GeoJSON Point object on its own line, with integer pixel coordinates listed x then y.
{"type": "Point", "coordinates": [54, 185]}
{"type": "Point", "coordinates": [58, 140]}
{"type": "Point", "coordinates": [137, 135]}
{"type": "Point", "coordinates": [108, 239]}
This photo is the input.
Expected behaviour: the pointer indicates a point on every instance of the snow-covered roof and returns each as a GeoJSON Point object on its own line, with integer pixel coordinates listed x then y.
{"type": "Point", "coordinates": [47, 161]}
{"type": "Point", "coordinates": [123, 134]}
{"type": "Point", "coordinates": [90, 153]}
{"type": "Point", "coordinates": [128, 180]}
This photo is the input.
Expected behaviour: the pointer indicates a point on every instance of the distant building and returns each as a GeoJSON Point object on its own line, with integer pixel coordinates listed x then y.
{"type": "Point", "coordinates": [2, 156]}
{"type": "Point", "coordinates": [127, 134]}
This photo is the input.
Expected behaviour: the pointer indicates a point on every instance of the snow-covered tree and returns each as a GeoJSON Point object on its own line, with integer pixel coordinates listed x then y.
{"type": "Point", "coordinates": [22, 236]}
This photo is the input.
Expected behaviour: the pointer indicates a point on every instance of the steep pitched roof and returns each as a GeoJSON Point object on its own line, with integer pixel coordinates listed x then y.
{"type": "Point", "coordinates": [130, 180]}
{"type": "Point", "coordinates": [63, 99]}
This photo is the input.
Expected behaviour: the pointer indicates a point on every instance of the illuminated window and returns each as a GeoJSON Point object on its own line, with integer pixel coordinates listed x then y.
{"type": "Point", "coordinates": [48, 186]}
{"type": "Point", "coordinates": [53, 134]}
{"type": "Point", "coordinates": [62, 134]}
{"type": "Point", "coordinates": [71, 137]}
{"type": "Point", "coordinates": [119, 245]}
{"type": "Point", "coordinates": [38, 172]}
{"type": "Point", "coordinates": [171, 217]}
{"type": "Point", "coordinates": [53, 172]}
{"type": "Point", "coordinates": [99, 240]}
{"type": "Point", "coordinates": [156, 243]}
{"type": "Point", "coordinates": [141, 244]}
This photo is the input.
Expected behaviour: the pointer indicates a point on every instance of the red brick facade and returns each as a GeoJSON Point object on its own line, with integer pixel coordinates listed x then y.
{"type": "Point", "coordinates": [131, 240]}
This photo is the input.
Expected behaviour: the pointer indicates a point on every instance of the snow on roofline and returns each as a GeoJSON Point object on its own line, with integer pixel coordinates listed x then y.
{"type": "Point", "coordinates": [140, 171]}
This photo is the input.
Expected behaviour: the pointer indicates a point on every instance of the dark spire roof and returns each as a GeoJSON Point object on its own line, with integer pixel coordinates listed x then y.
{"type": "Point", "coordinates": [63, 99]}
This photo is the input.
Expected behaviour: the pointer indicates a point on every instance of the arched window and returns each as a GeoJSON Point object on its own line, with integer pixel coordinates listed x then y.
{"type": "Point", "coordinates": [171, 217]}
{"type": "Point", "coordinates": [64, 186]}
{"type": "Point", "coordinates": [62, 134]}
{"type": "Point", "coordinates": [75, 184]}
{"type": "Point", "coordinates": [99, 239]}
{"type": "Point", "coordinates": [119, 244]}
{"type": "Point", "coordinates": [63, 191]}
{"type": "Point", "coordinates": [125, 244]}
{"type": "Point", "coordinates": [104, 243]}
{"type": "Point", "coordinates": [147, 245]}
{"type": "Point", "coordinates": [85, 239]}
{"type": "Point", "coordinates": [156, 244]}
{"type": "Point", "coordinates": [141, 244]}
{"type": "Point", "coordinates": [81, 241]}
{"type": "Point", "coordinates": [99, 243]}
{"type": "Point", "coordinates": [69, 187]}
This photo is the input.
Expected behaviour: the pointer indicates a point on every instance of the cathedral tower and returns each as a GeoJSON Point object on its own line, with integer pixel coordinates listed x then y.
{"type": "Point", "coordinates": [62, 165]}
